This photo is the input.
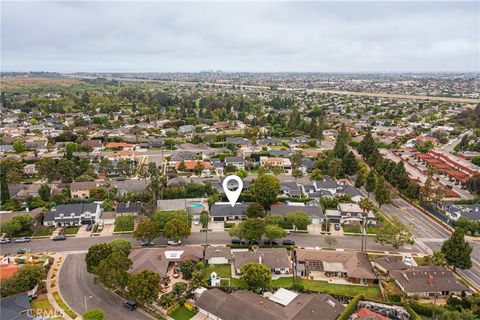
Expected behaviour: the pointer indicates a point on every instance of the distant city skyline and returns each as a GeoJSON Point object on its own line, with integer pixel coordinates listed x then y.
{"type": "Point", "coordinates": [390, 36]}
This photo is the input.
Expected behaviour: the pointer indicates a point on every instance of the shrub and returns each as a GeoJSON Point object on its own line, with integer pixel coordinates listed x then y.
{"type": "Point", "coordinates": [350, 308]}
{"type": "Point", "coordinates": [422, 309]}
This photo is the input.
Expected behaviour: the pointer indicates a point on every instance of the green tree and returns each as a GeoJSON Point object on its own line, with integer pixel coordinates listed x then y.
{"type": "Point", "coordinates": [256, 276]}
{"type": "Point", "coordinates": [25, 279]}
{"type": "Point", "coordinates": [176, 230]}
{"type": "Point", "coordinates": [297, 173]}
{"type": "Point", "coordinates": [64, 168]}
{"type": "Point", "coordinates": [70, 148]}
{"type": "Point", "coordinates": [437, 258]}
{"type": "Point", "coordinates": [19, 146]}
{"type": "Point", "coordinates": [106, 166]}
{"type": "Point", "coordinates": [204, 218]}
{"type": "Point", "coordinates": [371, 182]}
{"type": "Point", "coordinates": [11, 170]}
{"type": "Point", "coordinates": [382, 194]}
{"type": "Point", "coordinates": [94, 314]}
{"type": "Point", "coordinates": [122, 245]}
{"type": "Point", "coordinates": [146, 231]}
{"type": "Point", "coordinates": [182, 166]}
{"type": "Point", "coordinates": [252, 229]}
{"type": "Point", "coordinates": [143, 287]}
{"type": "Point", "coordinates": [273, 232]}
{"type": "Point", "coordinates": [394, 233]}
{"type": "Point", "coordinates": [241, 173]}
{"type": "Point", "coordinates": [265, 190]}
{"type": "Point", "coordinates": [112, 271]}
{"type": "Point", "coordinates": [299, 219]}
{"type": "Point", "coordinates": [96, 254]}
{"type": "Point", "coordinates": [44, 169]}
{"type": "Point", "coordinates": [17, 225]}
{"type": "Point", "coordinates": [198, 168]}
{"type": "Point", "coordinates": [45, 192]}
{"type": "Point", "coordinates": [457, 251]}
{"type": "Point", "coordinates": [316, 175]}
{"type": "Point", "coordinates": [275, 219]}
{"type": "Point", "coordinates": [349, 164]}
{"type": "Point", "coordinates": [255, 210]}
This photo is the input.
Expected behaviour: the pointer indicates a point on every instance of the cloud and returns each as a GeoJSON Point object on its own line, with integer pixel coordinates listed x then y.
{"type": "Point", "coordinates": [240, 36]}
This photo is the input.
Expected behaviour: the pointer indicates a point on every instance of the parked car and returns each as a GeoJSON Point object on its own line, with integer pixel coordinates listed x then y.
{"type": "Point", "coordinates": [237, 241]}
{"type": "Point", "coordinates": [60, 237]}
{"type": "Point", "coordinates": [22, 240]}
{"type": "Point", "coordinates": [272, 243]}
{"type": "Point", "coordinates": [147, 243]}
{"type": "Point", "coordinates": [174, 243]}
{"type": "Point", "coordinates": [337, 226]}
{"type": "Point", "coordinates": [89, 227]}
{"type": "Point", "coordinates": [408, 260]}
{"type": "Point", "coordinates": [130, 305]}
{"type": "Point", "coordinates": [23, 250]}
{"type": "Point", "coordinates": [5, 240]}
{"type": "Point", "coordinates": [288, 242]}
{"type": "Point", "coordinates": [121, 179]}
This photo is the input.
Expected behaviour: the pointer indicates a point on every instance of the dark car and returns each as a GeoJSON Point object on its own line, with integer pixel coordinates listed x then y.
{"type": "Point", "coordinates": [89, 227]}
{"type": "Point", "coordinates": [22, 240]}
{"type": "Point", "coordinates": [148, 243]}
{"type": "Point", "coordinates": [130, 305]}
{"type": "Point", "coordinates": [59, 238]}
{"type": "Point", "coordinates": [337, 227]}
{"type": "Point", "coordinates": [23, 251]}
{"type": "Point", "coordinates": [121, 179]}
{"type": "Point", "coordinates": [237, 241]}
{"type": "Point", "coordinates": [288, 242]}
{"type": "Point", "coordinates": [270, 243]}
{"type": "Point", "coordinates": [5, 240]}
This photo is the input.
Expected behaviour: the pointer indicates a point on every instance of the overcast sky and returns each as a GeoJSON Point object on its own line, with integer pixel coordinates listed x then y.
{"type": "Point", "coordinates": [157, 36]}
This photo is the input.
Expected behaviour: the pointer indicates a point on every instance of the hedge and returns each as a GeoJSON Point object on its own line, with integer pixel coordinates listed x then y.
{"type": "Point", "coordinates": [350, 308]}
{"type": "Point", "coordinates": [412, 312]}
{"type": "Point", "coordinates": [422, 309]}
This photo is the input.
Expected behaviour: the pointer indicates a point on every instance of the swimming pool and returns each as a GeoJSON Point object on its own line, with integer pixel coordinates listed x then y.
{"type": "Point", "coordinates": [196, 205]}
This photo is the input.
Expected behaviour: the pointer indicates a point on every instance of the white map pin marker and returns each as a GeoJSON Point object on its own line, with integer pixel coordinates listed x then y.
{"type": "Point", "coordinates": [232, 195]}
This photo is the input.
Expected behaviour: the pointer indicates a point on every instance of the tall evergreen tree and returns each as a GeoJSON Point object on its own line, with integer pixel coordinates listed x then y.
{"type": "Point", "coordinates": [457, 251]}
{"type": "Point", "coordinates": [382, 194]}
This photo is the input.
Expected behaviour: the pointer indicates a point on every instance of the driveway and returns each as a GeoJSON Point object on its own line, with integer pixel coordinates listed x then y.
{"type": "Point", "coordinates": [82, 232]}
{"type": "Point", "coordinates": [75, 283]}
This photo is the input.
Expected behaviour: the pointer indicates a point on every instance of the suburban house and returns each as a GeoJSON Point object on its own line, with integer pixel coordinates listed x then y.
{"type": "Point", "coordinates": [96, 145]}
{"type": "Point", "coordinates": [186, 129]}
{"type": "Point", "coordinates": [271, 162]}
{"type": "Point", "coordinates": [218, 255]}
{"type": "Point", "coordinates": [424, 281]}
{"type": "Point", "coordinates": [222, 211]}
{"type": "Point", "coordinates": [120, 145]}
{"type": "Point", "coordinates": [191, 164]}
{"type": "Point", "coordinates": [64, 215]}
{"type": "Point", "coordinates": [238, 141]}
{"type": "Point", "coordinates": [470, 212]}
{"type": "Point", "coordinates": [353, 267]}
{"type": "Point", "coordinates": [313, 209]}
{"type": "Point", "coordinates": [276, 259]}
{"type": "Point", "coordinates": [351, 212]}
{"type": "Point", "coordinates": [15, 307]}
{"type": "Point", "coordinates": [81, 190]}
{"type": "Point", "coordinates": [389, 263]}
{"type": "Point", "coordinates": [291, 189]}
{"type": "Point", "coordinates": [237, 162]}
{"type": "Point", "coordinates": [282, 305]}
{"type": "Point", "coordinates": [158, 260]}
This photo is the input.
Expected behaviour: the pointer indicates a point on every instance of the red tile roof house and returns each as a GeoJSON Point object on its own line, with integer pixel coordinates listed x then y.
{"type": "Point", "coordinates": [190, 164]}
{"type": "Point", "coordinates": [120, 145]}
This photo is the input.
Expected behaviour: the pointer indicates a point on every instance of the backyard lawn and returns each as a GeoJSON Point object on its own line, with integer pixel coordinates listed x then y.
{"type": "Point", "coordinates": [373, 292]}
{"type": "Point", "coordinates": [182, 313]}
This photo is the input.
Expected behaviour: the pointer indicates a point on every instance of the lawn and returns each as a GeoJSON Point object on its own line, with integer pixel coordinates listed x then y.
{"type": "Point", "coordinates": [355, 228]}
{"type": "Point", "coordinates": [43, 231]}
{"type": "Point", "coordinates": [62, 305]}
{"type": "Point", "coordinates": [70, 230]}
{"type": "Point", "coordinates": [182, 313]}
{"type": "Point", "coordinates": [42, 307]}
{"type": "Point", "coordinates": [224, 271]}
{"type": "Point", "coordinates": [124, 223]}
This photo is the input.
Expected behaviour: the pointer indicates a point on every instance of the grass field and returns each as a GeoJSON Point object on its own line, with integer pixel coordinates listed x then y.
{"type": "Point", "coordinates": [373, 292]}
{"type": "Point", "coordinates": [70, 230]}
{"type": "Point", "coordinates": [42, 307]}
{"type": "Point", "coordinates": [182, 313]}
{"type": "Point", "coordinates": [62, 305]}
{"type": "Point", "coordinates": [36, 82]}
{"type": "Point", "coordinates": [43, 231]}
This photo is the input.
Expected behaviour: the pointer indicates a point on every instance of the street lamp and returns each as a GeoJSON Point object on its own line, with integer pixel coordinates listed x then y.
{"type": "Point", "coordinates": [85, 298]}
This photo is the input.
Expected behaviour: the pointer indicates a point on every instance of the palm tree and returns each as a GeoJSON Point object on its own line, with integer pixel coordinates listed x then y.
{"type": "Point", "coordinates": [366, 205]}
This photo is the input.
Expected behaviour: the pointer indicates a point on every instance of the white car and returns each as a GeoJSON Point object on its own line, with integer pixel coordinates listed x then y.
{"type": "Point", "coordinates": [174, 243]}
{"type": "Point", "coordinates": [408, 260]}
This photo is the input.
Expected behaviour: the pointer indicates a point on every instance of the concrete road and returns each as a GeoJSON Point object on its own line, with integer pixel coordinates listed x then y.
{"type": "Point", "coordinates": [76, 284]}
{"type": "Point", "coordinates": [429, 235]}
{"type": "Point", "coordinates": [75, 245]}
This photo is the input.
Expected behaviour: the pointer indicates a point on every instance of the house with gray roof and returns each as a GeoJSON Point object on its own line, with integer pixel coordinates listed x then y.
{"type": "Point", "coordinates": [222, 211]}
{"type": "Point", "coordinates": [15, 307]}
{"type": "Point", "coordinates": [239, 141]}
{"type": "Point", "coordinates": [313, 210]}
{"type": "Point", "coordinates": [76, 214]}
{"type": "Point", "coordinates": [291, 189]}
{"type": "Point", "coordinates": [186, 129]}
{"type": "Point", "coordinates": [282, 305]}
{"type": "Point", "coordinates": [131, 207]}
{"type": "Point", "coordinates": [276, 259]}
{"type": "Point", "coordinates": [428, 281]}
{"type": "Point", "coordinates": [470, 212]}
{"type": "Point", "coordinates": [237, 161]}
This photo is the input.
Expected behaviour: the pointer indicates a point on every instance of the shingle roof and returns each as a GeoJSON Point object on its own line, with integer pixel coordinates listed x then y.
{"type": "Point", "coordinates": [14, 307]}
{"type": "Point", "coordinates": [218, 251]}
{"type": "Point", "coordinates": [246, 305]}
{"type": "Point", "coordinates": [223, 209]}
{"type": "Point", "coordinates": [67, 209]}
{"type": "Point", "coordinates": [128, 207]}
{"type": "Point", "coordinates": [312, 211]}
{"type": "Point", "coordinates": [271, 257]}
{"type": "Point", "coordinates": [416, 279]}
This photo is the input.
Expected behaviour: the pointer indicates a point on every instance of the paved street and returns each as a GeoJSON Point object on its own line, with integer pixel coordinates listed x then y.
{"type": "Point", "coordinates": [76, 284]}
{"type": "Point", "coordinates": [430, 235]}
